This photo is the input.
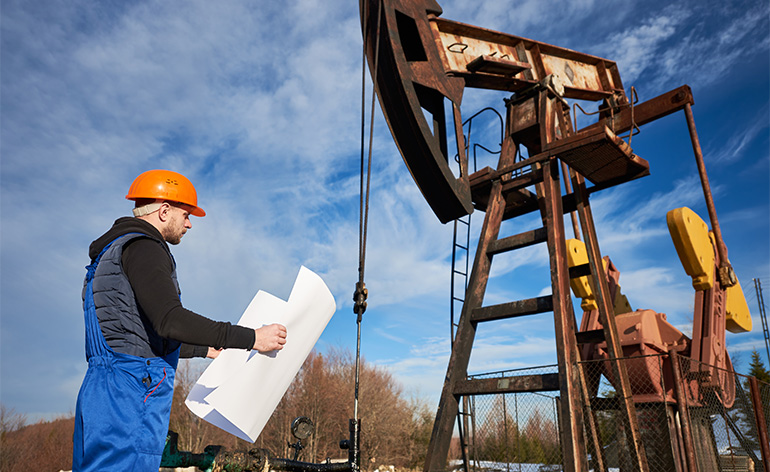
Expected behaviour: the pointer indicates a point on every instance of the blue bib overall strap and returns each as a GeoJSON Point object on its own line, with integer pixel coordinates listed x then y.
{"type": "Point", "coordinates": [122, 412]}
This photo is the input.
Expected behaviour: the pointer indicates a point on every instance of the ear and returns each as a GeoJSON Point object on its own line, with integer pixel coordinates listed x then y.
{"type": "Point", "coordinates": [164, 213]}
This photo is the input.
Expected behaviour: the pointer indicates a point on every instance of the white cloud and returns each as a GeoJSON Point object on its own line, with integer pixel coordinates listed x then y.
{"type": "Point", "coordinates": [735, 147]}
{"type": "Point", "coordinates": [689, 42]}
{"type": "Point", "coordinates": [625, 220]}
{"type": "Point", "coordinates": [259, 106]}
{"type": "Point", "coordinates": [635, 49]}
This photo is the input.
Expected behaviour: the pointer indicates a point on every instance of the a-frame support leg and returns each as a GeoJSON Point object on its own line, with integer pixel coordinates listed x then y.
{"type": "Point", "coordinates": [443, 426]}
{"type": "Point", "coordinates": [571, 408]}
{"type": "Point", "coordinates": [634, 446]}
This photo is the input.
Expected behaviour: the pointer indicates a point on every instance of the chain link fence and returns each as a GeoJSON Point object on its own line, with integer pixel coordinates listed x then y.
{"type": "Point", "coordinates": [716, 427]}
{"type": "Point", "coordinates": [723, 417]}
{"type": "Point", "coordinates": [514, 432]}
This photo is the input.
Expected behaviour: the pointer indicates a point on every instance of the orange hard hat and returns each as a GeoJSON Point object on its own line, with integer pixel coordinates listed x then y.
{"type": "Point", "coordinates": [165, 185]}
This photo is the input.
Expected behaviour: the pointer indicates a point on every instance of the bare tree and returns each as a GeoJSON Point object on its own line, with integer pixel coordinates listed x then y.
{"type": "Point", "coordinates": [395, 431]}
{"type": "Point", "coordinates": [10, 420]}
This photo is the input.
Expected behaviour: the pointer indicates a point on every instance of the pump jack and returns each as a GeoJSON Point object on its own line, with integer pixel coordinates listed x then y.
{"type": "Point", "coordinates": [421, 64]}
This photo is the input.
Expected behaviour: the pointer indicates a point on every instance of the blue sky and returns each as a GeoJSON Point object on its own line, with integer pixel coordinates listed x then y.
{"type": "Point", "coordinates": [258, 103]}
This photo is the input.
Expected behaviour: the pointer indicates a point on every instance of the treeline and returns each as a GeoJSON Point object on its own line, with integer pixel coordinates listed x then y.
{"type": "Point", "coordinates": [46, 445]}
{"type": "Point", "coordinates": [500, 438]}
{"type": "Point", "coordinates": [395, 429]}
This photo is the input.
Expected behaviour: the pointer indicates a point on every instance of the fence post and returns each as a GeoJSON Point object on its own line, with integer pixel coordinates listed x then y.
{"type": "Point", "coordinates": [684, 414]}
{"type": "Point", "coordinates": [759, 414]}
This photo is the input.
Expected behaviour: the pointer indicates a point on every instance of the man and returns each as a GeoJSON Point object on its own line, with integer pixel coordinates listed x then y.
{"type": "Point", "coordinates": [136, 328]}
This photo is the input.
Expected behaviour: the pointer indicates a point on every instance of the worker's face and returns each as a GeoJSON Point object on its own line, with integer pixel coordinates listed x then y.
{"type": "Point", "coordinates": [177, 224]}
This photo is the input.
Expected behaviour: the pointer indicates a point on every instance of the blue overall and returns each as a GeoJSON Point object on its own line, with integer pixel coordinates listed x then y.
{"type": "Point", "coordinates": [122, 412]}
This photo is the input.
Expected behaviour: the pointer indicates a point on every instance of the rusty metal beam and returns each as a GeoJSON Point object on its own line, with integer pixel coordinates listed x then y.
{"type": "Point", "coordinates": [568, 190]}
{"type": "Point", "coordinates": [634, 443]}
{"type": "Point", "coordinates": [502, 311]}
{"type": "Point", "coordinates": [457, 370]}
{"type": "Point", "coordinates": [521, 62]}
{"type": "Point", "coordinates": [409, 77]}
{"type": "Point", "coordinates": [571, 407]}
{"type": "Point", "coordinates": [647, 111]}
{"type": "Point", "coordinates": [684, 414]}
{"type": "Point", "coordinates": [591, 428]}
{"type": "Point", "coordinates": [726, 274]}
{"type": "Point", "coordinates": [518, 241]}
{"type": "Point", "coordinates": [523, 383]}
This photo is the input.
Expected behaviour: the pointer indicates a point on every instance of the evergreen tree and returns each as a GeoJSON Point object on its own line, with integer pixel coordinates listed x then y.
{"type": "Point", "coordinates": [743, 411]}
{"type": "Point", "coordinates": [757, 368]}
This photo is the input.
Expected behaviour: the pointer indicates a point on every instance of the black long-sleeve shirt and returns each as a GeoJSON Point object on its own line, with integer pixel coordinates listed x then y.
{"type": "Point", "coordinates": [148, 267]}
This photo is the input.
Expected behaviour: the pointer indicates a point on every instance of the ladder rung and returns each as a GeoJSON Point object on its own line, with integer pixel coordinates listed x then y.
{"type": "Point", "coordinates": [588, 337]}
{"type": "Point", "coordinates": [523, 383]}
{"type": "Point", "coordinates": [459, 272]}
{"type": "Point", "coordinates": [512, 309]}
{"type": "Point", "coordinates": [461, 246]}
{"type": "Point", "coordinates": [518, 241]}
{"type": "Point", "coordinates": [513, 191]}
{"type": "Point", "coordinates": [522, 181]}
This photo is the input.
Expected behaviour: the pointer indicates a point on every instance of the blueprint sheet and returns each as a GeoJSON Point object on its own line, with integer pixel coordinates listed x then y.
{"type": "Point", "coordinates": [240, 390]}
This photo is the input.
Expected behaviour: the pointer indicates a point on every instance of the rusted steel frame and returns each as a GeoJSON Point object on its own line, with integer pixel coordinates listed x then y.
{"type": "Point", "coordinates": [544, 122]}
{"type": "Point", "coordinates": [494, 65]}
{"type": "Point", "coordinates": [537, 59]}
{"type": "Point", "coordinates": [579, 139]}
{"type": "Point", "coordinates": [460, 141]}
{"type": "Point", "coordinates": [593, 433]}
{"type": "Point", "coordinates": [591, 336]}
{"type": "Point", "coordinates": [571, 415]}
{"type": "Point", "coordinates": [465, 433]}
{"type": "Point", "coordinates": [724, 268]}
{"type": "Point", "coordinates": [684, 414]}
{"type": "Point", "coordinates": [764, 437]}
{"type": "Point", "coordinates": [461, 432]}
{"type": "Point", "coordinates": [647, 111]}
{"type": "Point", "coordinates": [567, 123]}
{"type": "Point", "coordinates": [410, 78]}
{"type": "Point", "coordinates": [598, 453]}
{"type": "Point", "coordinates": [503, 311]}
{"type": "Point", "coordinates": [568, 190]}
{"type": "Point", "coordinates": [524, 383]}
{"type": "Point", "coordinates": [521, 181]}
{"type": "Point", "coordinates": [457, 370]}
{"type": "Point", "coordinates": [607, 319]}
{"type": "Point", "coordinates": [542, 57]}
{"type": "Point", "coordinates": [708, 341]}
{"type": "Point", "coordinates": [497, 174]}
{"type": "Point", "coordinates": [518, 241]}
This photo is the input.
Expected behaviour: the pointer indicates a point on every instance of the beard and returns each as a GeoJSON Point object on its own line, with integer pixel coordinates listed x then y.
{"type": "Point", "coordinates": [173, 235]}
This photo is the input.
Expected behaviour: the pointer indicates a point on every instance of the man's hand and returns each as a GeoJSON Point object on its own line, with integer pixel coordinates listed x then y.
{"type": "Point", "coordinates": [270, 338]}
{"type": "Point", "coordinates": [213, 353]}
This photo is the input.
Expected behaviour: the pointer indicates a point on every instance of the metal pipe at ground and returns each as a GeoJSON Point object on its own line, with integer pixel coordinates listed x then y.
{"type": "Point", "coordinates": [288, 465]}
